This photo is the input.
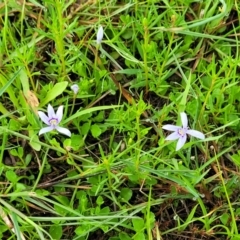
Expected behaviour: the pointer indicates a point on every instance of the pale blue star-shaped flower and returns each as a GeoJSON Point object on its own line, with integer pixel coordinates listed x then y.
{"type": "Point", "coordinates": [52, 120]}
{"type": "Point", "coordinates": [180, 133]}
{"type": "Point", "coordinates": [99, 34]}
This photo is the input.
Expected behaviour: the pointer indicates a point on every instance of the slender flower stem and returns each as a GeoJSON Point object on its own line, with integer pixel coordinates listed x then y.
{"type": "Point", "coordinates": [41, 170]}
{"type": "Point", "coordinates": [73, 104]}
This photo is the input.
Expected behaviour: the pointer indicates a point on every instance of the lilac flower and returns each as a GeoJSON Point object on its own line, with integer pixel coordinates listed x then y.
{"type": "Point", "coordinates": [75, 88]}
{"type": "Point", "coordinates": [52, 120]}
{"type": "Point", "coordinates": [99, 34]}
{"type": "Point", "coordinates": [180, 133]}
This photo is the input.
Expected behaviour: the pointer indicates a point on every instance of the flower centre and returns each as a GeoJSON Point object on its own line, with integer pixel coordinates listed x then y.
{"type": "Point", "coordinates": [181, 132]}
{"type": "Point", "coordinates": [53, 122]}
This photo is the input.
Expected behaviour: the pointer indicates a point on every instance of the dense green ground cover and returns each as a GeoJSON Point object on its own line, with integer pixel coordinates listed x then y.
{"type": "Point", "coordinates": [117, 177]}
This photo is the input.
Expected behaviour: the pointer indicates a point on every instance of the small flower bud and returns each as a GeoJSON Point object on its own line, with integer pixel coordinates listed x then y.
{"type": "Point", "coordinates": [99, 34]}
{"type": "Point", "coordinates": [75, 88]}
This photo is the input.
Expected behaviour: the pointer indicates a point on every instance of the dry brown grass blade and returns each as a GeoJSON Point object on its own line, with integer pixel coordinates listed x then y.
{"type": "Point", "coordinates": [32, 101]}
{"type": "Point", "coordinates": [124, 92]}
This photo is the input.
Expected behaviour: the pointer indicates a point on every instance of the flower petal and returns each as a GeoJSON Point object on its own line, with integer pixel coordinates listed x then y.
{"type": "Point", "coordinates": [64, 131]}
{"type": "Point", "coordinates": [170, 127]}
{"type": "Point", "coordinates": [181, 142]}
{"type": "Point", "coordinates": [51, 113]}
{"type": "Point", "coordinates": [196, 134]}
{"type": "Point", "coordinates": [59, 114]}
{"type": "Point", "coordinates": [43, 117]}
{"type": "Point", "coordinates": [184, 119]}
{"type": "Point", "coordinates": [99, 34]}
{"type": "Point", "coordinates": [173, 136]}
{"type": "Point", "coordinates": [45, 129]}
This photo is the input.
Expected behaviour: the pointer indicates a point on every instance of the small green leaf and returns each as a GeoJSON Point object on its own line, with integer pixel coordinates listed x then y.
{"type": "Point", "coordinates": [124, 236]}
{"type": "Point", "coordinates": [20, 187]}
{"type": "Point", "coordinates": [67, 143]}
{"type": "Point", "coordinates": [14, 152]}
{"type": "Point", "coordinates": [60, 210]}
{"type": "Point", "coordinates": [56, 231]}
{"type": "Point", "coordinates": [105, 211]}
{"type": "Point", "coordinates": [139, 236]}
{"type": "Point", "coordinates": [126, 194]}
{"type": "Point", "coordinates": [85, 128]}
{"type": "Point", "coordinates": [57, 89]}
{"type": "Point", "coordinates": [127, 34]}
{"type": "Point", "coordinates": [28, 159]}
{"type": "Point", "coordinates": [104, 228]}
{"type": "Point", "coordinates": [11, 176]}
{"type": "Point", "coordinates": [20, 152]}
{"type": "Point", "coordinates": [238, 211]}
{"type": "Point", "coordinates": [77, 142]}
{"type": "Point", "coordinates": [42, 192]}
{"type": "Point", "coordinates": [96, 130]}
{"type": "Point", "coordinates": [224, 218]}
{"type": "Point", "coordinates": [62, 199]}
{"type": "Point", "coordinates": [99, 117]}
{"type": "Point", "coordinates": [100, 200]}
{"type": "Point", "coordinates": [83, 201]}
{"type": "Point", "coordinates": [34, 142]}
{"type": "Point", "coordinates": [138, 224]}
{"type": "Point", "coordinates": [83, 229]}
{"type": "Point", "coordinates": [55, 143]}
